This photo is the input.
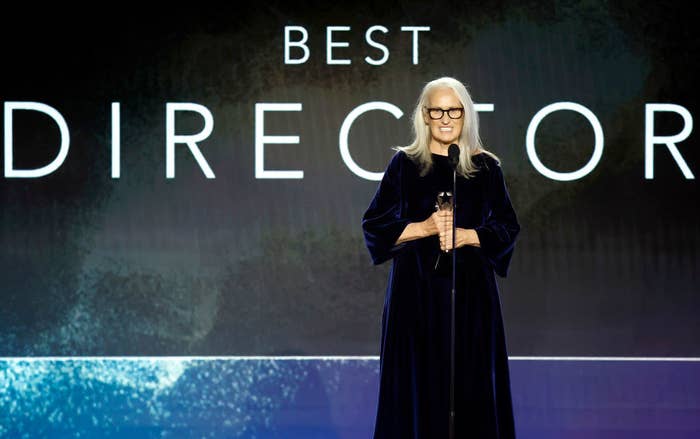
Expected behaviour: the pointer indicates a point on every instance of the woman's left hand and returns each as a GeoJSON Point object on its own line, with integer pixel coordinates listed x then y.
{"type": "Point", "coordinates": [464, 237]}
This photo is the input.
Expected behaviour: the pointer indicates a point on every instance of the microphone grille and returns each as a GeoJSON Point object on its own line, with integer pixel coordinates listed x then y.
{"type": "Point", "coordinates": [453, 155]}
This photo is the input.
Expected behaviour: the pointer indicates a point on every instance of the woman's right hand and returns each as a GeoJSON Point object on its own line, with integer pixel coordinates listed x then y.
{"type": "Point", "coordinates": [439, 220]}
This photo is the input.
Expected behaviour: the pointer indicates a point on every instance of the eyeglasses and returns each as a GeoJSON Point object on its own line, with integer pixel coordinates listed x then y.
{"type": "Point", "coordinates": [438, 113]}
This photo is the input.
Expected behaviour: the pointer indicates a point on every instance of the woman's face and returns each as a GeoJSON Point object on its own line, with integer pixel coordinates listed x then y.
{"type": "Point", "coordinates": [444, 130]}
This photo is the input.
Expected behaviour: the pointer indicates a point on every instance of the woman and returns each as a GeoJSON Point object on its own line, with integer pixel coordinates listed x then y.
{"type": "Point", "coordinates": [401, 224]}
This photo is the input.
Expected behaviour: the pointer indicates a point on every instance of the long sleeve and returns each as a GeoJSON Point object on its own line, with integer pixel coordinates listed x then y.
{"type": "Point", "coordinates": [383, 223]}
{"type": "Point", "coordinates": [498, 233]}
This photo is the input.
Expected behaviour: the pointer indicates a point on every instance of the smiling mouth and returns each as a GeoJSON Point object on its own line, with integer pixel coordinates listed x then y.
{"type": "Point", "coordinates": [446, 129]}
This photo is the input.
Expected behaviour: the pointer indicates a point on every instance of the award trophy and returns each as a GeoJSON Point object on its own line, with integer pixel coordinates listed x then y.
{"type": "Point", "coordinates": [443, 264]}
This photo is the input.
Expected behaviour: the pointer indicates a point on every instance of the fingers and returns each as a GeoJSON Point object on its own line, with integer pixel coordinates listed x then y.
{"type": "Point", "coordinates": [440, 215]}
{"type": "Point", "coordinates": [442, 226]}
{"type": "Point", "coordinates": [439, 221]}
{"type": "Point", "coordinates": [445, 224]}
{"type": "Point", "coordinates": [446, 240]}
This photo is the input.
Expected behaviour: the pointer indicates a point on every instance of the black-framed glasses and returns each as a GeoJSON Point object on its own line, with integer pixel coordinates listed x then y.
{"type": "Point", "coordinates": [452, 113]}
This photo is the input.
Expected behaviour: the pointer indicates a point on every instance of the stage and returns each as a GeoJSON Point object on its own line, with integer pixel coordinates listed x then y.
{"type": "Point", "coordinates": [332, 397]}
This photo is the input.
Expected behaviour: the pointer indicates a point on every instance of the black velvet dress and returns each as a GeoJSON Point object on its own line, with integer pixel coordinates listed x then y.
{"type": "Point", "coordinates": [415, 342]}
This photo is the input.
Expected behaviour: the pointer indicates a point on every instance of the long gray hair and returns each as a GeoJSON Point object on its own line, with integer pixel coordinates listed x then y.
{"type": "Point", "coordinates": [469, 141]}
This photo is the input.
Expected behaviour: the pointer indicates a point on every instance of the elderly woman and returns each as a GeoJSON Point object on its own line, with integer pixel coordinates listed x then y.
{"type": "Point", "coordinates": [403, 224]}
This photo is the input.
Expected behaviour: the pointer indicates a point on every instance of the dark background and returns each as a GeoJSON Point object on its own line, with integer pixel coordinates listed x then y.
{"type": "Point", "coordinates": [605, 265]}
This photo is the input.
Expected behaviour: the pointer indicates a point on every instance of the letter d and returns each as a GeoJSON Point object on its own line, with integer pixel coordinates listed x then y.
{"type": "Point", "coordinates": [10, 171]}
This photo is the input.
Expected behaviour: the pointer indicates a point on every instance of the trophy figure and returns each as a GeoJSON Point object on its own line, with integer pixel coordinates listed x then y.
{"type": "Point", "coordinates": [444, 264]}
{"type": "Point", "coordinates": [444, 201]}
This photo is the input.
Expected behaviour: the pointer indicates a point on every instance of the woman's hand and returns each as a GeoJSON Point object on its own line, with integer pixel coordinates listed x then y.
{"type": "Point", "coordinates": [438, 221]}
{"type": "Point", "coordinates": [428, 227]}
{"type": "Point", "coordinates": [463, 237]}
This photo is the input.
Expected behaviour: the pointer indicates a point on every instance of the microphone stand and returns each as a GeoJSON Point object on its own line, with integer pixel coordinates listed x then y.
{"type": "Point", "coordinates": [452, 308]}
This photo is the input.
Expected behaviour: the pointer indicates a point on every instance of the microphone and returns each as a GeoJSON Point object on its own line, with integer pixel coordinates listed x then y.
{"type": "Point", "coordinates": [453, 156]}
